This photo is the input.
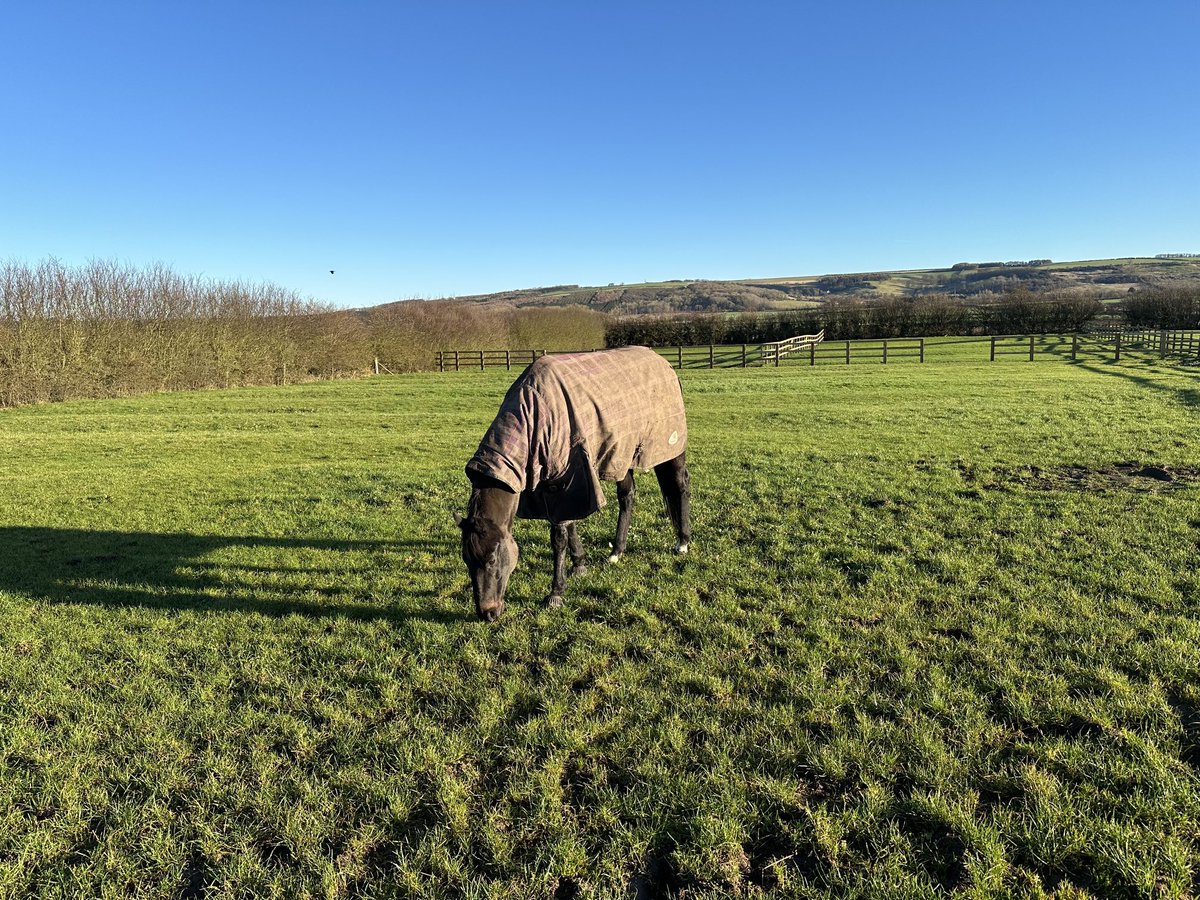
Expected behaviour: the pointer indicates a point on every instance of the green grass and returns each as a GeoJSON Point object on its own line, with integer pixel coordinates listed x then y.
{"type": "Point", "coordinates": [932, 638]}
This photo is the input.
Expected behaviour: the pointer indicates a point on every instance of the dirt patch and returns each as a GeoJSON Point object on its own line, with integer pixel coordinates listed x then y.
{"type": "Point", "coordinates": [1122, 476]}
{"type": "Point", "coordinates": [660, 880]}
{"type": "Point", "coordinates": [1188, 711]}
{"type": "Point", "coordinates": [865, 621]}
{"type": "Point", "coordinates": [197, 876]}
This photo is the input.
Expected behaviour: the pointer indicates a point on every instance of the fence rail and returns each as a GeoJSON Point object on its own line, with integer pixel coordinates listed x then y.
{"type": "Point", "coordinates": [880, 350]}
{"type": "Point", "coordinates": [796, 344]}
{"type": "Point", "coordinates": [709, 356]}
{"type": "Point", "coordinates": [468, 360]}
{"type": "Point", "coordinates": [814, 350]}
{"type": "Point", "coordinates": [1168, 342]}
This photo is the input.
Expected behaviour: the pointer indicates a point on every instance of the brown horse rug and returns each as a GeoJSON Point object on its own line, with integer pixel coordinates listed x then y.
{"type": "Point", "coordinates": [573, 419]}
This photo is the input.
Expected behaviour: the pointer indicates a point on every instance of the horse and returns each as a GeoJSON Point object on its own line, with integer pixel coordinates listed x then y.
{"type": "Point", "coordinates": [568, 422]}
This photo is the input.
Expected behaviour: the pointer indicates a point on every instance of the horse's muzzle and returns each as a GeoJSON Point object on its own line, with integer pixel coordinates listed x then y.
{"type": "Point", "coordinates": [490, 613]}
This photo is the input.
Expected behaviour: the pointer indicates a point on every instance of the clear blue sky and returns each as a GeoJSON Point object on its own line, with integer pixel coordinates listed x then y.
{"type": "Point", "coordinates": [433, 149]}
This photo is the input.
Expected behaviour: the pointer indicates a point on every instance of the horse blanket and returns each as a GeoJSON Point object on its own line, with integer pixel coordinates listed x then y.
{"type": "Point", "coordinates": [573, 419]}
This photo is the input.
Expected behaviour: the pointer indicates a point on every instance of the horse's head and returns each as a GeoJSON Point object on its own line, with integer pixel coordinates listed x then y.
{"type": "Point", "coordinates": [490, 553]}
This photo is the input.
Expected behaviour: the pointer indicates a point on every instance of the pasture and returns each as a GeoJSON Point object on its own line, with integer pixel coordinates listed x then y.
{"type": "Point", "coordinates": [939, 634]}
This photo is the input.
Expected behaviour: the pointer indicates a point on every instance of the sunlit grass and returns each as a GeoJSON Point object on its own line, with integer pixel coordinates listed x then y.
{"type": "Point", "coordinates": [931, 638]}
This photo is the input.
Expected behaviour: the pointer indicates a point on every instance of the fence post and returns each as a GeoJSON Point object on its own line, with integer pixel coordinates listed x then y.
{"type": "Point", "coordinates": [847, 353]}
{"type": "Point", "coordinates": [1031, 348]}
{"type": "Point", "coordinates": [885, 351]}
{"type": "Point", "coordinates": [680, 366]}
{"type": "Point", "coordinates": [1117, 355]}
{"type": "Point", "coordinates": [777, 354]}
{"type": "Point", "coordinates": [377, 365]}
{"type": "Point", "coordinates": [480, 360]}
{"type": "Point", "coordinates": [711, 361]}
{"type": "Point", "coordinates": [1074, 346]}
{"type": "Point", "coordinates": [455, 360]}
{"type": "Point", "coordinates": [1162, 344]}
{"type": "Point", "coordinates": [812, 353]}
{"type": "Point", "coordinates": [922, 347]}
{"type": "Point", "coordinates": [993, 357]}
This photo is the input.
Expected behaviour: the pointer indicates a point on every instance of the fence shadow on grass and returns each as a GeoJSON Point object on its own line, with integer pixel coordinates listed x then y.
{"type": "Point", "coordinates": [1189, 397]}
{"type": "Point", "coordinates": [177, 571]}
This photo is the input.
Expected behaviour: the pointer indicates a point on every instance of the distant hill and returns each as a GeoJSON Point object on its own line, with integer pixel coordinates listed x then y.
{"type": "Point", "coordinates": [1112, 277]}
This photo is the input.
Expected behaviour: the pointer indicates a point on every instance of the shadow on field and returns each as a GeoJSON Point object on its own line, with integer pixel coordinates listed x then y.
{"type": "Point", "coordinates": [1189, 397]}
{"type": "Point", "coordinates": [177, 571]}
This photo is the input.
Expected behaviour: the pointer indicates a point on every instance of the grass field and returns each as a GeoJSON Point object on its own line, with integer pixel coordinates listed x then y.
{"type": "Point", "coordinates": [939, 633]}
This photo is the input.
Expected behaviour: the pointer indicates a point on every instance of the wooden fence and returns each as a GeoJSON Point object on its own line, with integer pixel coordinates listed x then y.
{"type": "Point", "coordinates": [740, 356]}
{"type": "Point", "coordinates": [1166, 342]}
{"type": "Point", "coordinates": [880, 351]}
{"type": "Point", "coordinates": [478, 360]}
{"type": "Point", "coordinates": [1109, 341]}
{"type": "Point", "coordinates": [711, 356]}
{"type": "Point", "coordinates": [1069, 345]}
{"type": "Point", "coordinates": [813, 350]}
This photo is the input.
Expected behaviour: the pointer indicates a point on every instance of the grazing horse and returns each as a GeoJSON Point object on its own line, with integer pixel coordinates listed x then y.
{"type": "Point", "coordinates": [568, 422]}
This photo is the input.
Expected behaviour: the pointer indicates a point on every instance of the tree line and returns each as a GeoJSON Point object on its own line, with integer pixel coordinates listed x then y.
{"type": "Point", "coordinates": [108, 329]}
{"type": "Point", "coordinates": [1167, 307]}
{"type": "Point", "coordinates": [1020, 311]}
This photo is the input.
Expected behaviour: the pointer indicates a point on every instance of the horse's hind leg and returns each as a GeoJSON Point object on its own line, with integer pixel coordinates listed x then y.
{"type": "Point", "coordinates": [677, 492]}
{"type": "Point", "coordinates": [558, 545]}
{"type": "Point", "coordinates": [625, 497]}
{"type": "Point", "coordinates": [578, 567]}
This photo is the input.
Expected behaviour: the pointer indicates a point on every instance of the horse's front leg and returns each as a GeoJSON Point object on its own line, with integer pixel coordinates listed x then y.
{"type": "Point", "coordinates": [558, 544]}
{"type": "Point", "coordinates": [625, 498]}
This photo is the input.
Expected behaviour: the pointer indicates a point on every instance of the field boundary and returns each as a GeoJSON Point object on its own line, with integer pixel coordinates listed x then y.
{"type": "Point", "coordinates": [703, 356]}
{"type": "Point", "coordinates": [814, 349]}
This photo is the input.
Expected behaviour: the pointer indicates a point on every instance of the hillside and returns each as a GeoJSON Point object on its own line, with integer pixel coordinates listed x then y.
{"type": "Point", "coordinates": [1115, 277]}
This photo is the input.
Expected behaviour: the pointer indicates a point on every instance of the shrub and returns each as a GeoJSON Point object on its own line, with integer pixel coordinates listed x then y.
{"type": "Point", "coordinates": [1165, 307]}
{"type": "Point", "coordinates": [105, 328]}
{"type": "Point", "coordinates": [405, 335]}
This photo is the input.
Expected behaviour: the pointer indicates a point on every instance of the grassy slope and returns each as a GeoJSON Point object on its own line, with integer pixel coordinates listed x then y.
{"type": "Point", "coordinates": [749, 293]}
{"type": "Point", "coordinates": [237, 653]}
{"type": "Point", "coordinates": [908, 280]}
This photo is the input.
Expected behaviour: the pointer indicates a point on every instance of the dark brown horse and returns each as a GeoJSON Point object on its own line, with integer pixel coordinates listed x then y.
{"type": "Point", "coordinates": [568, 422]}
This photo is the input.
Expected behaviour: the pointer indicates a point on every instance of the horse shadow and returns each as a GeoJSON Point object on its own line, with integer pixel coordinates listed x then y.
{"type": "Point", "coordinates": [183, 571]}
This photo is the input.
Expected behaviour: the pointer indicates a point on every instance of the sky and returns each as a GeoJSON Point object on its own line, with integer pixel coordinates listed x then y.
{"type": "Point", "coordinates": [424, 150]}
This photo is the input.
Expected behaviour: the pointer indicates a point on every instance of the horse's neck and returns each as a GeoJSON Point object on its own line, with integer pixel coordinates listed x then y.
{"type": "Point", "coordinates": [497, 504]}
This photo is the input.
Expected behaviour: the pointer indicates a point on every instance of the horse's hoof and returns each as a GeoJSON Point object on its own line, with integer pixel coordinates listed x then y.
{"type": "Point", "coordinates": [579, 570]}
{"type": "Point", "coordinates": [681, 549]}
{"type": "Point", "coordinates": [554, 601]}
{"type": "Point", "coordinates": [616, 557]}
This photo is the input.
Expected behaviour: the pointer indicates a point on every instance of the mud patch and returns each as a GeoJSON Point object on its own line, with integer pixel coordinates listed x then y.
{"type": "Point", "coordinates": [197, 876]}
{"type": "Point", "coordinates": [1188, 711]}
{"type": "Point", "coordinates": [566, 889]}
{"type": "Point", "coordinates": [1123, 476]}
{"type": "Point", "coordinates": [660, 880]}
